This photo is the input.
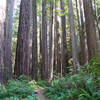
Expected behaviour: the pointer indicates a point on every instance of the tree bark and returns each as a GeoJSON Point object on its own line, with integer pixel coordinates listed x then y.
{"type": "Point", "coordinates": [57, 42]}
{"type": "Point", "coordinates": [30, 38]}
{"type": "Point", "coordinates": [44, 75]}
{"type": "Point", "coordinates": [96, 17]}
{"type": "Point", "coordinates": [64, 41]}
{"type": "Point", "coordinates": [90, 29]}
{"type": "Point", "coordinates": [6, 13]}
{"type": "Point", "coordinates": [51, 43]}
{"type": "Point", "coordinates": [83, 40]}
{"type": "Point", "coordinates": [22, 50]}
{"type": "Point", "coordinates": [8, 36]}
{"type": "Point", "coordinates": [40, 40]}
{"type": "Point", "coordinates": [2, 31]}
{"type": "Point", "coordinates": [34, 43]}
{"type": "Point", "coordinates": [73, 37]}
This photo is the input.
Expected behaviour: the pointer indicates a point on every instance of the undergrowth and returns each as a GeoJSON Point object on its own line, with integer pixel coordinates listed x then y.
{"type": "Point", "coordinates": [19, 89]}
{"type": "Point", "coordinates": [82, 86]}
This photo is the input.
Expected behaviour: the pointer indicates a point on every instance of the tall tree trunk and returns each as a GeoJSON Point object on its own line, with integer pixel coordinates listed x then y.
{"type": "Point", "coordinates": [22, 50]}
{"type": "Point", "coordinates": [82, 32]}
{"type": "Point", "coordinates": [79, 24]}
{"type": "Point", "coordinates": [90, 29]}
{"type": "Point", "coordinates": [51, 43]}
{"type": "Point", "coordinates": [73, 37]}
{"type": "Point", "coordinates": [34, 43]}
{"type": "Point", "coordinates": [2, 31]}
{"type": "Point", "coordinates": [64, 41]}
{"type": "Point", "coordinates": [57, 42]}
{"type": "Point", "coordinates": [96, 17]}
{"type": "Point", "coordinates": [30, 38]}
{"type": "Point", "coordinates": [83, 40]}
{"type": "Point", "coordinates": [40, 40]}
{"type": "Point", "coordinates": [44, 75]}
{"type": "Point", "coordinates": [8, 34]}
{"type": "Point", "coordinates": [78, 17]}
{"type": "Point", "coordinates": [6, 13]}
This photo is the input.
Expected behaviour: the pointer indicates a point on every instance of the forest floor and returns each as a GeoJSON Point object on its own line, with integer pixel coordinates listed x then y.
{"type": "Point", "coordinates": [40, 93]}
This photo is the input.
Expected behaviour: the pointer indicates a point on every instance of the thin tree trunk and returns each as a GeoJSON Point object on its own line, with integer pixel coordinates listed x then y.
{"type": "Point", "coordinates": [2, 30]}
{"type": "Point", "coordinates": [30, 39]}
{"type": "Point", "coordinates": [34, 43]}
{"type": "Point", "coordinates": [57, 43]}
{"type": "Point", "coordinates": [40, 36]}
{"type": "Point", "coordinates": [83, 40]}
{"type": "Point", "coordinates": [73, 37]}
{"type": "Point", "coordinates": [51, 43]}
{"type": "Point", "coordinates": [96, 17]}
{"type": "Point", "coordinates": [8, 34]}
{"type": "Point", "coordinates": [64, 41]}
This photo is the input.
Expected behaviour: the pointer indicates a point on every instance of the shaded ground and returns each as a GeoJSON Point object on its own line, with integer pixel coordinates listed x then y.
{"type": "Point", "coordinates": [39, 93]}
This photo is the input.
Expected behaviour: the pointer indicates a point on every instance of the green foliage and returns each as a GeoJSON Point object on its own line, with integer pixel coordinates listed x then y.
{"type": "Point", "coordinates": [42, 83]}
{"type": "Point", "coordinates": [81, 86]}
{"type": "Point", "coordinates": [21, 89]}
{"type": "Point", "coordinates": [98, 7]}
{"type": "Point", "coordinates": [52, 1]}
{"type": "Point", "coordinates": [94, 68]}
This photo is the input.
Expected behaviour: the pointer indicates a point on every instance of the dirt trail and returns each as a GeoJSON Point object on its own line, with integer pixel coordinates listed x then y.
{"type": "Point", "coordinates": [39, 93]}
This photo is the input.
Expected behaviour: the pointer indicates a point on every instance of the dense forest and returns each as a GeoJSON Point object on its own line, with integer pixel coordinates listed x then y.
{"type": "Point", "coordinates": [49, 49]}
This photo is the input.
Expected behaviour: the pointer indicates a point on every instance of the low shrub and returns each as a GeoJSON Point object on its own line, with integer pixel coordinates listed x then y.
{"type": "Point", "coordinates": [81, 86]}
{"type": "Point", "coordinates": [21, 89]}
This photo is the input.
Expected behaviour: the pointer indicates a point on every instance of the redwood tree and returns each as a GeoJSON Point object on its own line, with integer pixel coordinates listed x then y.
{"type": "Point", "coordinates": [44, 74]}
{"type": "Point", "coordinates": [64, 41]}
{"type": "Point", "coordinates": [73, 37]}
{"type": "Point", "coordinates": [6, 13]}
{"type": "Point", "coordinates": [22, 50]}
{"type": "Point", "coordinates": [34, 43]}
{"type": "Point", "coordinates": [51, 42]}
{"type": "Point", "coordinates": [90, 29]}
{"type": "Point", "coordinates": [57, 42]}
{"type": "Point", "coordinates": [83, 37]}
{"type": "Point", "coordinates": [8, 36]}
